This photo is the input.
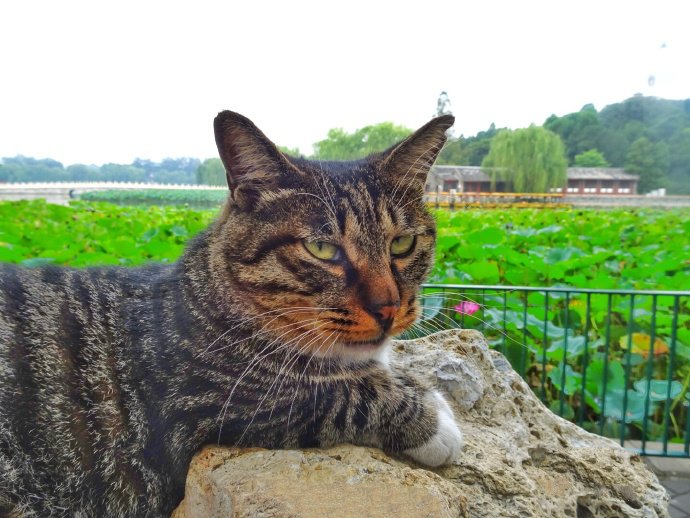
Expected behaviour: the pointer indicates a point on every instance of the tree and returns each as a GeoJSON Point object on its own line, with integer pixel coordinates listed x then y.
{"type": "Point", "coordinates": [123, 173]}
{"type": "Point", "coordinates": [26, 169]}
{"type": "Point", "coordinates": [614, 146]}
{"type": "Point", "coordinates": [468, 150]}
{"type": "Point", "coordinates": [169, 170]}
{"type": "Point", "coordinates": [211, 172]}
{"type": "Point", "coordinates": [580, 131]}
{"type": "Point", "coordinates": [591, 158]}
{"type": "Point", "coordinates": [531, 159]}
{"type": "Point", "coordinates": [292, 151]}
{"type": "Point", "coordinates": [649, 161]}
{"type": "Point", "coordinates": [679, 162]}
{"type": "Point", "coordinates": [83, 173]}
{"type": "Point", "coordinates": [341, 145]}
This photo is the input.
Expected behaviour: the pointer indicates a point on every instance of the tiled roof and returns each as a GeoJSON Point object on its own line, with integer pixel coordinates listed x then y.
{"type": "Point", "coordinates": [599, 173]}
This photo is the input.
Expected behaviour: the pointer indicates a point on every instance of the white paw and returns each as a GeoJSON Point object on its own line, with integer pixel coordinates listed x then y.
{"type": "Point", "coordinates": [445, 445]}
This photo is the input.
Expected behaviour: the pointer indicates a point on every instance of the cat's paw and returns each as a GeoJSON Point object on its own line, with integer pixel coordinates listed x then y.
{"type": "Point", "coordinates": [444, 446]}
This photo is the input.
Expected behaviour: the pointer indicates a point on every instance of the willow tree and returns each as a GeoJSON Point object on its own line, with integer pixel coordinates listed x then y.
{"type": "Point", "coordinates": [530, 160]}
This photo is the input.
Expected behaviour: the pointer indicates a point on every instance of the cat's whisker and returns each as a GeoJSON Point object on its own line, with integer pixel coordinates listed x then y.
{"type": "Point", "coordinates": [486, 323]}
{"type": "Point", "coordinates": [430, 150]}
{"type": "Point", "coordinates": [242, 322]}
{"type": "Point", "coordinates": [324, 358]}
{"type": "Point", "coordinates": [258, 357]}
{"type": "Point", "coordinates": [302, 349]}
{"type": "Point", "coordinates": [402, 179]}
{"type": "Point", "coordinates": [325, 186]}
{"type": "Point", "coordinates": [434, 328]}
{"type": "Point", "coordinates": [335, 217]}
{"type": "Point", "coordinates": [318, 373]}
{"type": "Point", "coordinates": [439, 326]}
{"type": "Point", "coordinates": [289, 310]}
{"type": "Point", "coordinates": [483, 305]}
{"type": "Point", "coordinates": [401, 209]}
{"type": "Point", "coordinates": [465, 293]}
{"type": "Point", "coordinates": [263, 329]}
{"type": "Point", "coordinates": [291, 328]}
{"type": "Point", "coordinates": [288, 361]}
{"type": "Point", "coordinates": [256, 334]}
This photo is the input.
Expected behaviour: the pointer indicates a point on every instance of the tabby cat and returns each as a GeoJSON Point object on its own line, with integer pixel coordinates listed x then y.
{"type": "Point", "coordinates": [271, 331]}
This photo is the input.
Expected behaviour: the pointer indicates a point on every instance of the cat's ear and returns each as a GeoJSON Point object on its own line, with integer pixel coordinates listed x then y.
{"type": "Point", "coordinates": [252, 162]}
{"type": "Point", "coordinates": [411, 159]}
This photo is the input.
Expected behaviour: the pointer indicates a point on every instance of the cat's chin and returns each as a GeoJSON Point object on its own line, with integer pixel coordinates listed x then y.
{"type": "Point", "coordinates": [356, 351]}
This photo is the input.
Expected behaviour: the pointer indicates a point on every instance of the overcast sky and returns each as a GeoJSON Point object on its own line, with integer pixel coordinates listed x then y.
{"type": "Point", "coordinates": [96, 82]}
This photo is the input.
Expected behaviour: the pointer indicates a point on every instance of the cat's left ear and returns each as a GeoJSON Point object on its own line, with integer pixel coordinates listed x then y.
{"type": "Point", "coordinates": [411, 159]}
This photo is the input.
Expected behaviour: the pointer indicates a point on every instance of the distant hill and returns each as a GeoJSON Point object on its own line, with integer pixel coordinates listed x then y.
{"type": "Point", "coordinates": [645, 135]}
{"type": "Point", "coordinates": [170, 170]}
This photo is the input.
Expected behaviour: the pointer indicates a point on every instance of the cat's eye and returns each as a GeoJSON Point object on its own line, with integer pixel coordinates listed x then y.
{"type": "Point", "coordinates": [322, 250]}
{"type": "Point", "coordinates": [402, 245]}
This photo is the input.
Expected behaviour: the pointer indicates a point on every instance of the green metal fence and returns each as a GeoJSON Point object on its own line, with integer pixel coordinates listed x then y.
{"type": "Point", "coordinates": [616, 362]}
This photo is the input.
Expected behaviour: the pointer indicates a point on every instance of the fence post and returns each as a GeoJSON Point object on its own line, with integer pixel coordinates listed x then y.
{"type": "Point", "coordinates": [451, 202]}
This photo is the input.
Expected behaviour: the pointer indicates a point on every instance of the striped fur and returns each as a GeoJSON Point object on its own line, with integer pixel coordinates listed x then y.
{"type": "Point", "coordinates": [112, 378]}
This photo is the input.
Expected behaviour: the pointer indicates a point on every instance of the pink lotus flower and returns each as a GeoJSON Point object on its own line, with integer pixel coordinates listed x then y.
{"type": "Point", "coordinates": [467, 308]}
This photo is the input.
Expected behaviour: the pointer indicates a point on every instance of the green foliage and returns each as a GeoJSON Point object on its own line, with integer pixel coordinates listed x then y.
{"type": "Point", "coordinates": [580, 131]}
{"type": "Point", "coordinates": [625, 249]}
{"type": "Point", "coordinates": [211, 172]}
{"type": "Point", "coordinates": [628, 249]}
{"type": "Point", "coordinates": [531, 159]}
{"type": "Point", "coordinates": [649, 161]}
{"type": "Point", "coordinates": [614, 130]}
{"type": "Point", "coordinates": [84, 234]}
{"type": "Point", "coordinates": [292, 151]}
{"type": "Point", "coordinates": [193, 198]}
{"type": "Point", "coordinates": [627, 349]}
{"type": "Point", "coordinates": [341, 145]}
{"type": "Point", "coordinates": [27, 169]}
{"type": "Point", "coordinates": [679, 162]}
{"type": "Point", "coordinates": [584, 248]}
{"type": "Point", "coordinates": [591, 158]}
{"type": "Point", "coordinates": [468, 151]}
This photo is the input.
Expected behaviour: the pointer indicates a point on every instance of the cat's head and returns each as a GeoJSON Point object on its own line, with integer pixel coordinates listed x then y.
{"type": "Point", "coordinates": [327, 257]}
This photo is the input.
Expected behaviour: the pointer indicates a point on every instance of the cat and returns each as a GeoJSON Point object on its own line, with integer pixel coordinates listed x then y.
{"type": "Point", "coordinates": [269, 331]}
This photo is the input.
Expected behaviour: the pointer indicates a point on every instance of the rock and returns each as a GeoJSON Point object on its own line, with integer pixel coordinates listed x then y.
{"type": "Point", "coordinates": [342, 481]}
{"type": "Point", "coordinates": [519, 459]}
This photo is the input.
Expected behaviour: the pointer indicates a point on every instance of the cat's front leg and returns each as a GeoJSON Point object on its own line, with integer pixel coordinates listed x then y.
{"type": "Point", "coordinates": [445, 445]}
{"type": "Point", "coordinates": [398, 413]}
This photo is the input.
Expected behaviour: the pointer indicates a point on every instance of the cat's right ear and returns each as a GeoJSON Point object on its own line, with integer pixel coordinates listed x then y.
{"type": "Point", "coordinates": [252, 162]}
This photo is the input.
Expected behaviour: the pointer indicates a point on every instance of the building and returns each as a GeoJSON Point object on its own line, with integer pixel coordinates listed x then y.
{"type": "Point", "coordinates": [601, 180]}
{"type": "Point", "coordinates": [581, 180]}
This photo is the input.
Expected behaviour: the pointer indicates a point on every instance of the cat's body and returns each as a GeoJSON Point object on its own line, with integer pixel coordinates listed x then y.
{"type": "Point", "coordinates": [112, 378]}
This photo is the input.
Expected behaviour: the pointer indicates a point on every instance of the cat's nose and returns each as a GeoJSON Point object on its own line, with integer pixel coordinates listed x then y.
{"type": "Point", "coordinates": [384, 313]}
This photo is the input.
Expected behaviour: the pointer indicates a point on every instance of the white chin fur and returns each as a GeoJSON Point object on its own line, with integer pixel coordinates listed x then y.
{"type": "Point", "coordinates": [445, 445]}
{"type": "Point", "coordinates": [349, 354]}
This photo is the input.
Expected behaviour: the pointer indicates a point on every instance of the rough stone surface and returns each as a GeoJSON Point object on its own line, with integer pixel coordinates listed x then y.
{"type": "Point", "coordinates": [519, 459]}
{"type": "Point", "coordinates": [342, 481]}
